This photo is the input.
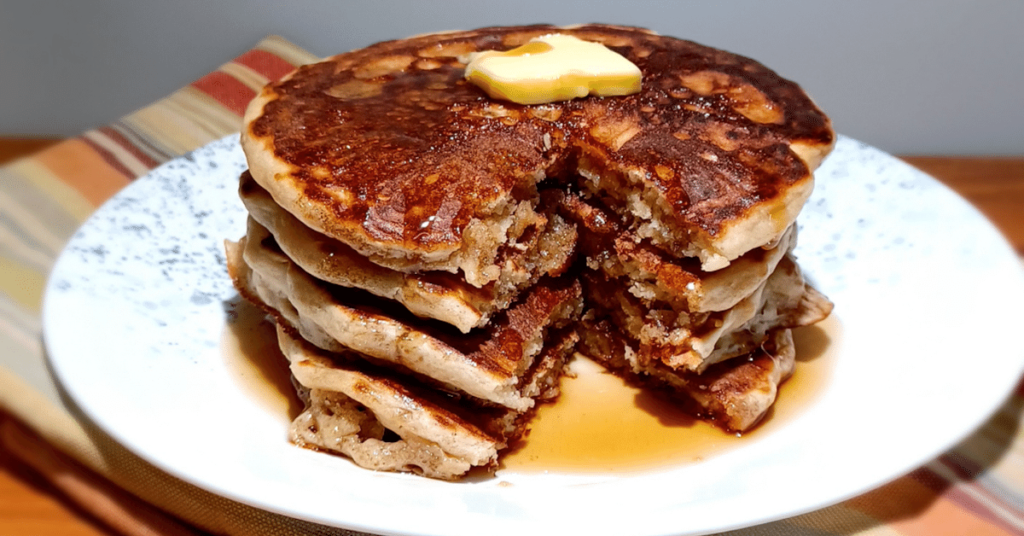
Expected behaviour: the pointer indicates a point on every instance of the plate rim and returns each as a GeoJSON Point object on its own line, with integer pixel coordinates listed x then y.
{"type": "Point", "coordinates": [56, 368]}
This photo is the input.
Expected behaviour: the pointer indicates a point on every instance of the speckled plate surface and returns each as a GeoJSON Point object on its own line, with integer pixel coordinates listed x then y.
{"type": "Point", "coordinates": [136, 307]}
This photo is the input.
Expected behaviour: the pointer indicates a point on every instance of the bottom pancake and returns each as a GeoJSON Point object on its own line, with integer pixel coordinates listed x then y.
{"type": "Point", "coordinates": [390, 422]}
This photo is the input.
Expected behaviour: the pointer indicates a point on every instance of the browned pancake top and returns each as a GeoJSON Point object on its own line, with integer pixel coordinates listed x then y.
{"type": "Point", "coordinates": [392, 143]}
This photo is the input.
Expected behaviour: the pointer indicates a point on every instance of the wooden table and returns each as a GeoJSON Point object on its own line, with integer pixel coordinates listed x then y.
{"type": "Point", "coordinates": [30, 507]}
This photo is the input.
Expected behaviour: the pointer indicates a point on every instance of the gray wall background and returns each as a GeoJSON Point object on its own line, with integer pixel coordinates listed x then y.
{"type": "Point", "coordinates": [910, 77]}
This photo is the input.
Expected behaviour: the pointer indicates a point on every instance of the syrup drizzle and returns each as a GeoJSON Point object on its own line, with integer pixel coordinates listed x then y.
{"type": "Point", "coordinates": [249, 346]}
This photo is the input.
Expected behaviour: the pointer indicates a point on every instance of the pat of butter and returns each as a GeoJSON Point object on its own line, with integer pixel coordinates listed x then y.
{"type": "Point", "coordinates": [553, 68]}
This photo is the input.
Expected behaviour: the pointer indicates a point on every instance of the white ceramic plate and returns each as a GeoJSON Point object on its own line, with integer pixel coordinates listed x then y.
{"type": "Point", "coordinates": [135, 310]}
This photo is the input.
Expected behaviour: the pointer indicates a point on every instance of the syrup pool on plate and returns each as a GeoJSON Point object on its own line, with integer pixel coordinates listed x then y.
{"type": "Point", "coordinates": [599, 424]}
{"type": "Point", "coordinates": [602, 425]}
{"type": "Point", "coordinates": [249, 345]}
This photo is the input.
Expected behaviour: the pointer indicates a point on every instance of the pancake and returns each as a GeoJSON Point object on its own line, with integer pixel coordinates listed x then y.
{"type": "Point", "coordinates": [544, 249]}
{"type": "Point", "coordinates": [390, 151]}
{"type": "Point", "coordinates": [734, 394]}
{"type": "Point", "coordinates": [694, 341]}
{"type": "Point", "coordinates": [490, 364]}
{"type": "Point", "coordinates": [387, 422]}
{"type": "Point", "coordinates": [653, 275]}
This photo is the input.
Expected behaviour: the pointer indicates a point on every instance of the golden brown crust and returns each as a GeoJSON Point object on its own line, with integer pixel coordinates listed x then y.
{"type": "Point", "coordinates": [390, 150]}
{"type": "Point", "coordinates": [544, 248]}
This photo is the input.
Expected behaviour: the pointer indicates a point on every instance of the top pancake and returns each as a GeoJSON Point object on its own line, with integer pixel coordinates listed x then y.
{"type": "Point", "coordinates": [391, 151]}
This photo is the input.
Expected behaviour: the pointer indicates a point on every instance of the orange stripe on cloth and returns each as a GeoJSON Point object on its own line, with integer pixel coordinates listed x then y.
{"type": "Point", "coordinates": [265, 63]}
{"type": "Point", "coordinates": [228, 91]}
{"type": "Point", "coordinates": [109, 158]}
{"type": "Point", "coordinates": [967, 499]}
{"type": "Point", "coordinates": [85, 170]}
{"type": "Point", "coordinates": [971, 493]}
{"type": "Point", "coordinates": [912, 508]}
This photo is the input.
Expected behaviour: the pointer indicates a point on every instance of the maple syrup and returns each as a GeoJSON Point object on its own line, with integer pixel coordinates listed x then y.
{"type": "Point", "coordinates": [600, 424]}
{"type": "Point", "coordinates": [249, 346]}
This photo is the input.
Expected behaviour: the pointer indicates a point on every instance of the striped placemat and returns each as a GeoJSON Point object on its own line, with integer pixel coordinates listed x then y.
{"type": "Point", "coordinates": [976, 488]}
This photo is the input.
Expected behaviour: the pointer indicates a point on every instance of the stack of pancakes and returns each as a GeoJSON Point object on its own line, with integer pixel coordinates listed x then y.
{"type": "Point", "coordinates": [432, 257]}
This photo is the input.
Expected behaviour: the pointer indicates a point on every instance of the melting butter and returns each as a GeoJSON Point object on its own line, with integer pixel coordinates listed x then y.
{"type": "Point", "coordinates": [553, 68]}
